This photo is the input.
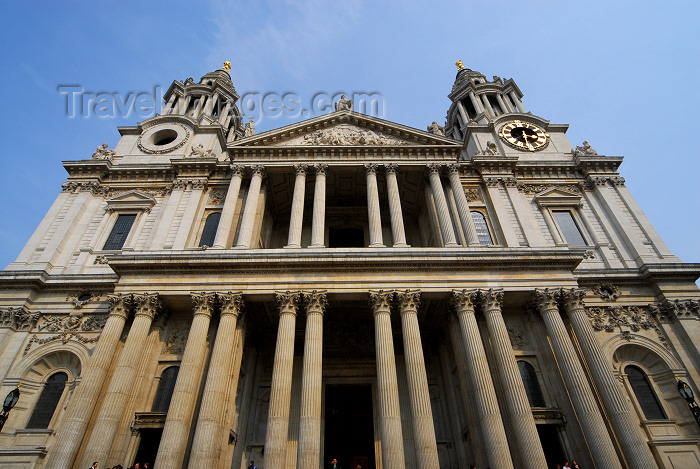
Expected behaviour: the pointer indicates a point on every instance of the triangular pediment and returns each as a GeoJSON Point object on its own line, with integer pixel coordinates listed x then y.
{"type": "Point", "coordinates": [131, 200]}
{"type": "Point", "coordinates": [346, 129]}
{"type": "Point", "coordinates": [557, 196]}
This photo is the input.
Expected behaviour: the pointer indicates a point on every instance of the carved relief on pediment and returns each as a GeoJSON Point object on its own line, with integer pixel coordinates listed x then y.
{"type": "Point", "coordinates": [345, 134]}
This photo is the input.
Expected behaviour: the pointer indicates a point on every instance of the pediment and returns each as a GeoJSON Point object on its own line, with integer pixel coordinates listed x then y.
{"type": "Point", "coordinates": [557, 196]}
{"type": "Point", "coordinates": [131, 200]}
{"type": "Point", "coordinates": [346, 129]}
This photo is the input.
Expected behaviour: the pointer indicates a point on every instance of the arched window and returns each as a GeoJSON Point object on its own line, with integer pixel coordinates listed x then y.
{"type": "Point", "coordinates": [209, 231]}
{"type": "Point", "coordinates": [482, 228]}
{"type": "Point", "coordinates": [646, 397]}
{"type": "Point", "coordinates": [532, 387]}
{"type": "Point", "coordinates": [166, 386]}
{"type": "Point", "coordinates": [48, 401]}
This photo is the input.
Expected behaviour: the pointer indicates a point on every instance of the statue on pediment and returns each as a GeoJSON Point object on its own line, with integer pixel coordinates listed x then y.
{"type": "Point", "coordinates": [584, 150]}
{"type": "Point", "coordinates": [436, 129]}
{"type": "Point", "coordinates": [103, 153]}
{"type": "Point", "coordinates": [249, 129]}
{"type": "Point", "coordinates": [343, 104]}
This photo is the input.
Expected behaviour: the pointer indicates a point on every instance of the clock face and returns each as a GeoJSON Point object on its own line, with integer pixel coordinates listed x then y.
{"type": "Point", "coordinates": [524, 136]}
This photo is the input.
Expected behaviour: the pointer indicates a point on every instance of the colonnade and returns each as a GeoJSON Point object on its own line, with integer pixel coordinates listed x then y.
{"type": "Point", "coordinates": [469, 352]}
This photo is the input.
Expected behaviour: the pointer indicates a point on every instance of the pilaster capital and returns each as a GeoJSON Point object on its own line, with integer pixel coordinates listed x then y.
{"type": "Point", "coordinates": [491, 181]}
{"type": "Point", "coordinates": [230, 303]}
{"type": "Point", "coordinates": [380, 300]}
{"type": "Point", "coordinates": [574, 299]}
{"type": "Point", "coordinates": [237, 170]}
{"type": "Point", "coordinates": [434, 168]}
{"type": "Point", "coordinates": [288, 302]}
{"type": "Point", "coordinates": [391, 168]}
{"type": "Point", "coordinates": [18, 319]}
{"type": "Point", "coordinates": [546, 300]}
{"type": "Point", "coordinates": [371, 168]}
{"type": "Point", "coordinates": [409, 301]}
{"type": "Point", "coordinates": [301, 168]}
{"type": "Point", "coordinates": [316, 302]}
{"type": "Point", "coordinates": [119, 305]}
{"type": "Point", "coordinates": [147, 304]}
{"type": "Point", "coordinates": [464, 300]}
{"type": "Point", "coordinates": [321, 169]}
{"type": "Point", "coordinates": [203, 303]}
{"type": "Point", "coordinates": [491, 300]}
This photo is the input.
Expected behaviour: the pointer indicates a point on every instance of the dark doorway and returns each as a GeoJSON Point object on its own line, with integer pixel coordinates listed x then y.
{"type": "Point", "coordinates": [346, 238]}
{"type": "Point", "coordinates": [549, 437]}
{"type": "Point", "coordinates": [148, 448]}
{"type": "Point", "coordinates": [349, 435]}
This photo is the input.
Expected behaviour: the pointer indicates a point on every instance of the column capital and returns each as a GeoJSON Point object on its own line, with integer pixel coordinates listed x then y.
{"type": "Point", "coordinates": [464, 300]}
{"type": "Point", "coordinates": [237, 169]}
{"type": "Point", "coordinates": [321, 169]}
{"type": "Point", "coordinates": [380, 300]}
{"type": "Point", "coordinates": [259, 169]}
{"type": "Point", "coordinates": [491, 299]}
{"type": "Point", "coordinates": [391, 168]}
{"type": "Point", "coordinates": [434, 168]}
{"type": "Point", "coordinates": [230, 303]}
{"type": "Point", "coordinates": [454, 168]}
{"type": "Point", "coordinates": [203, 303]}
{"type": "Point", "coordinates": [371, 168]}
{"type": "Point", "coordinates": [147, 304]}
{"type": "Point", "coordinates": [546, 299]}
{"type": "Point", "coordinates": [119, 304]}
{"type": "Point", "coordinates": [301, 168]}
{"type": "Point", "coordinates": [409, 301]}
{"type": "Point", "coordinates": [288, 302]}
{"type": "Point", "coordinates": [316, 301]}
{"type": "Point", "coordinates": [574, 298]}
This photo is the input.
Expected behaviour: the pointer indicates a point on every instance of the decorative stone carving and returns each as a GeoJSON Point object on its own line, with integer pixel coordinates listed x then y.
{"type": "Point", "coordinates": [606, 291]}
{"type": "Point", "coordinates": [101, 260]}
{"type": "Point", "coordinates": [584, 150]}
{"type": "Point", "coordinates": [230, 303]}
{"type": "Point", "coordinates": [436, 129]}
{"type": "Point", "coordinates": [345, 134]}
{"type": "Point", "coordinates": [380, 300]}
{"type": "Point", "coordinates": [472, 195]}
{"type": "Point", "coordinates": [74, 326]}
{"type": "Point", "coordinates": [249, 129]}
{"type": "Point", "coordinates": [18, 319]}
{"type": "Point", "coordinates": [409, 300]}
{"type": "Point", "coordinates": [103, 153]}
{"type": "Point", "coordinates": [216, 197]}
{"type": "Point", "coordinates": [497, 79]}
{"type": "Point", "coordinates": [517, 338]}
{"type": "Point", "coordinates": [625, 320]}
{"type": "Point", "coordinates": [321, 169]}
{"type": "Point", "coordinates": [203, 303]}
{"type": "Point", "coordinates": [371, 168]}
{"type": "Point", "coordinates": [538, 188]}
{"type": "Point", "coordinates": [490, 150]}
{"type": "Point", "coordinates": [588, 254]}
{"type": "Point", "coordinates": [175, 344]}
{"type": "Point", "coordinates": [199, 151]}
{"type": "Point", "coordinates": [464, 299]}
{"type": "Point", "coordinates": [316, 301]}
{"type": "Point", "coordinates": [288, 302]}
{"type": "Point", "coordinates": [148, 304]}
{"type": "Point", "coordinates": [676, 308]}
{"type": "Point", "coordinates": [82, 298]}
{"type": "Point", "coordinates": [344, 104]}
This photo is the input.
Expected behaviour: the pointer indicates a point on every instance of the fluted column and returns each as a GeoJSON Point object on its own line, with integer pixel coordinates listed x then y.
{"type": "Point", "coordinates": [171, 452]}
{"type": "Point", "coordinates": [251, 208]}
{"type": "Point", "coordinates": [375, 219]}
{"type": "Point", "coordinates": [465, 215]}
{"type": "Point", "coordinates": [628, 431]}
{"type": "Point", "coordinates": [387, 385]}
{"type": "Point", "coordinates": [319, 214]}
{"type": "Point", "coordinates": [582, 398]}
{"type": "Point", "coordinates": [297, 215]}
{"type": "Point", "coordinates": [397, 229]}
{"type": "Point", "coordinates": [309, 454]}
{"type": "Point", "coordinates": [492, 429]}
{"type": "Point", "coordinates": [80, 408]}
{"type": "Point", "coordinates": [223, 231]}
{"type": "Point", "coordinates": [281, 390]}
{"type": "Point", "coordinates": [448, 232]}
{"type": "Point", "coordinates": [206, 446]}
{"type": "Point", "coordinates": [517, 102]}
{"type": "Point", "coordinates": [527, 439]}
{"type": "Point", "coordinates": [421, 412]}
{"type": "Point", "coordinates": [122, 381]}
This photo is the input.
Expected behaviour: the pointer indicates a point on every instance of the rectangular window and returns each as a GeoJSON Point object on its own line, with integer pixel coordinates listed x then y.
{"type": "Point", "coordinates": [568, 227]}
{"type": "Point", "coordinates": [121, 229]}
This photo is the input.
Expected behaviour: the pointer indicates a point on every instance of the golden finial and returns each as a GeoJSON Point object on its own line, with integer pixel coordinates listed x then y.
{"type": "Point", "coordinates": [459, 65]}
{"type": "Point", "coordinates": [227, 65]}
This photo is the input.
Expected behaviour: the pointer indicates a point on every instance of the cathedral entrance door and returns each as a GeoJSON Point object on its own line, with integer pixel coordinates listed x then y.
{"type": "Point", "coordinates": [349, 426]}
{"type": "Point", "coordinates": [148, 448]}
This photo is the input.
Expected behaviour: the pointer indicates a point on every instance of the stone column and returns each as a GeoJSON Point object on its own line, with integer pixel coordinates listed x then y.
{"type": "Point", "coordinates": [169, 105]}
{"type": "Point", "coordinates": [226, 221]}
{"type": "Point", "coordinates": [462, 113]}
{"type": "Point", "coordinates": [465, 214]}
{"type": "Point", "coordinates": [387, 385]}
{"type": "Point", "coordinates": [492, 429]}
{"type": "Point", "coordinates": [634, 444]}
{"type": "Point", "coordinates": [478, 108]}
{"type": "Point", "coordinates": [527, 439]}
{"type": "Point", "coordinates": [206, 446]}
{"type": "Point", "coordinates": [397, 229]}
{"type": "Point", "coordinates": [281, 391]}
{"type": "Point", "coordinates": [297, 215]}
{"type": "Point", "coordinates": [122, 382]}
{"type": "Point", "coordinates": [309, 454]}
{"type": "Point", "coordinates": [517, 102]}
{"type": "Point", "coordinates": [421, 412]}
{"type": "Point", "coordinates": [448, 232]}
{"type": "Point", "coordinates": [171, 452]}
{"type": "Point", "coordinates": [319, 214]}
{"type": "Point", "coordinates": [502, 103]}
{"type": "Point", "coordinates": [375, 219]}
{"type": "Point", "coordinates": [251, 208]}
{"type": "Point", "coordinates": [487, 105]}
{"type": "Point", "coordinates": [582, 398]}
{"type": "Point", "coordinates": [70, 435]}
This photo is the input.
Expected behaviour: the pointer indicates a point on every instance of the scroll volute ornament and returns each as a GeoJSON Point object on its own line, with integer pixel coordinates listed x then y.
{"type": "Point", "coordinates": [147, 304]}
{"type": "Point", "coordinates": [119, 304]}
{"type": "Point", "coordinates": [546, 299]}
{"type": "Point", "coordinates": [409, 301]}
{"type": "Point", "coordinates": [464, 300]}
{"type": "Point", "coordinates": [380, 300]}
{"type": "Point", "coordinates": [230, 303]}
{"type": "Point", "coordinates": [288, 302]}
{"type": "Point", "coordinates": [574, 298]}
{"type": "Point", "coordinates": [491, 299]}
{"type": "Point", "coordinates": [203, 303]}
{"type": "Point", "coordinates": [316, 302]}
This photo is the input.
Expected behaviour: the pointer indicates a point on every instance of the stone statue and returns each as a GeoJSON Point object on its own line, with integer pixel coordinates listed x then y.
{"type": "Point", "coordinates": [491, 150]}
{"type": "Point", "coordinates": [497, 79]}
{"type": "Point", "coordinates": [436, 129]}
{"type": "Point", "coordinates": [102, 152]}
{"type": "Point", "coordinates": [249, 129]}
{"type": "Point", "coordinates": [584, 150]}
{"type": "Point", "coordinates": [343, 104]}
{"type": "Point", "coordinates": [201, 152]}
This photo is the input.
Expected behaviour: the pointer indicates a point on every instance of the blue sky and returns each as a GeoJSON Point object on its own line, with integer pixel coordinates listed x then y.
{"type": "Point", "coordinates": [623, 74]}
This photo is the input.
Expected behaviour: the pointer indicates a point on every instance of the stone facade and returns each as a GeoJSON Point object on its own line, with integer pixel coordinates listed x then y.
{"type": "Point", "coordinates": [346, 287]}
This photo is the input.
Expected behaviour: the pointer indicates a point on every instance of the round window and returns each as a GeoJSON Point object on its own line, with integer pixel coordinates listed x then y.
{"type": "Point", "coordinates": [163, 138]}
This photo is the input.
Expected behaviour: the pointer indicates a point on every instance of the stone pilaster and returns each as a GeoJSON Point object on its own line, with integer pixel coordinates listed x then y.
{"type": "Point", "coordinates": [206, 446]}
{"type": "Point", "coordinates": [375, 219]}
{"type": "Point", "coordinates": [443, 213]}
{"type": "Point", "coordinates": [527, 439]}
{"type": "Point", "coordinates": [122, 382]}
{"type": "Point", "coordinates": [463, 209]}
{"type": "Point", "coordinates": [421, 412]}
{"type": "Point", "coordinates": [69, 437]}
{"type": "Point", "coordinates": [281, 391]}
{"type": "Point", "coordinates": [492, 429]}
{"type": "Point", "coordinates": [633, 442]}
{"type": "Point", "coordinates": [251, 208]}
{"type": "Point", "coordinates": [309, 455]}
{"type": "Point", "coordinates": [582, 398]}
{"type": "Point", "coordinates": [223, 231]}
{"type": "Point", "coordinates": [171, 452]}
{"type": "Point", "coordinates": [387, 385]}
{"type": "Point", "coordinates": [297, 215]}
{"type": "Point", "coordinates": [319, 213]}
